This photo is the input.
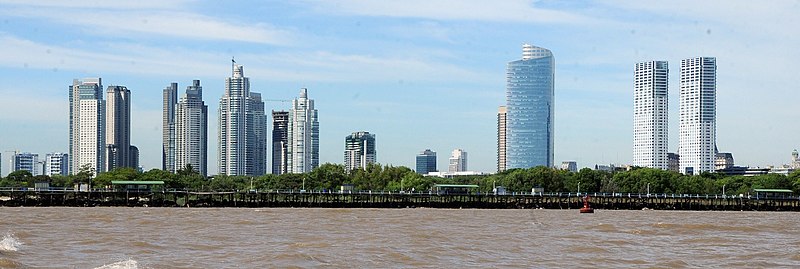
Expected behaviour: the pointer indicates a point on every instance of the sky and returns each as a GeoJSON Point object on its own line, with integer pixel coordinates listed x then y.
{"type": "Point", "coordinates": [418, 74]}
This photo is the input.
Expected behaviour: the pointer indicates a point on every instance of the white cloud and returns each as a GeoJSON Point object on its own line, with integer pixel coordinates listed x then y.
{"type": "Point", "coordinates": [153, 19]}
{"type": "Point", "coordinates": [498, 11]}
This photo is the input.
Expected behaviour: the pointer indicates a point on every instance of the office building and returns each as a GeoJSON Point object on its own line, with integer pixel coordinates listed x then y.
{"type": "Point", "coordinates": [56, 164]}
{"type": "Point", "coordinates": [673, 162]}
{"type": "Point", "coordinates": [190, 131]}
{"type": "Point", "coordinates": [426, 162]}
{"type": "Point", "coordinates": [359, 150]}
{"type": "Point", "coordinates": [698, 106]}
{"type": "Point", "coordinates": [118, 127]}
{"type": "Point", "coordinates": [280, 142]}
{"type": "Point", "coordinates": [87, 140]}
{"type": "Point", "coordinates": [25, 161]}
{"type": "Point", "coordinates": [458, 161]}
{"type": "Point", "coordinates": [571, 166]}
{"type": "Point", "coordinates": [303, 135]}
{"type": "Point", "coordinates": [240, 149]}
{"type": "Point", "coordinates": [723, 160]}
{"type": "Point", "coordinates": [170, 101]}
{"type": "Point", "coordinates": [502, 115]}
{"type": "Point", "coordinates": [650, 108]}
{"type": "Point", "coordinates": [530, 89]}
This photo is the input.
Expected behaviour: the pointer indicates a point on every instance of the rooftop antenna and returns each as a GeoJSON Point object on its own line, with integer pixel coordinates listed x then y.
{"type": "Point", "coordinates": [233, 65]}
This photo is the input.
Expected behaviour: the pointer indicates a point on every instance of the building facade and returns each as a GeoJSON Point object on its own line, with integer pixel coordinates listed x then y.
{"type": "Point", "coordinates": [191, 131]}
{"type": "Point", "coordinates": [170, 101]}
{"type": "Point", "coordinates": [303, 135]}
{"type": "Point", "coordinates": [426, 162]}
{"type": "Point", "coordinates": [698, 113]}
{"type": "Point", "coordinates": [87, 140]}
{"type": "Point", "coordinates": [530, 89]}
{"type": "Point", "coordinates": [502, 115]}
{"type": "Point", "coordinates": [240, 149]}
{"type": "Point", "coordinates": [56, 163]}
{"type": "Point", "coordinates": [458, 161]}
{"type": "Point", "coordinates": [359, 150]}
{"type": "Point", "coordinates": [795, 160]}
{"type": "Point", "coordinates": [118, 127]}
{"type": "Point", "coordinates": [280, 142]}
{"type": "Point", "coordinates": [650, 114]}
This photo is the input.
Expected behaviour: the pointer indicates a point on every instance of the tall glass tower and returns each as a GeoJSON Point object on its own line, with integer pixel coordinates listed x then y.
{"type": "Point", "coordinates": [191, 130]}
{"type": "Point", "coordinates": [530, 90]}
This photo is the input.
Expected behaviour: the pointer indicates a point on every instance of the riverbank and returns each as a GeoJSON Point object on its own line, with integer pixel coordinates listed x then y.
{"type": "Point", "coordinates": [176, 198]}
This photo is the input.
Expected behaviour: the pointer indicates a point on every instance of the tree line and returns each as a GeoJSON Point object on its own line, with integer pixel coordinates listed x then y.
{"type": "Point", "coordinates": [395, 178]}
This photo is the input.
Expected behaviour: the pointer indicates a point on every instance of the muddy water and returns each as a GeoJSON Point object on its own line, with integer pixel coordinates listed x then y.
{"type": "Point", "coordinates": [393, 238]}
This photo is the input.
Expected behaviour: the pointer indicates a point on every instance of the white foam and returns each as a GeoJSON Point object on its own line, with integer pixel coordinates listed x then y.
{"type": "Point", "coordinates": [10, 243]}
{"type": "Point", "coordinates": [127, 264]}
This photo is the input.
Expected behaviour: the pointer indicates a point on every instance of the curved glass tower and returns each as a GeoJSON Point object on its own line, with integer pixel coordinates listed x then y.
{"type": "Point", "coordinates": [530, 87]}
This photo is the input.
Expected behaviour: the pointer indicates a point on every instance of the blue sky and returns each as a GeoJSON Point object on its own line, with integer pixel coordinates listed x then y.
{"type": "Point", "coordinates": [419, 74]}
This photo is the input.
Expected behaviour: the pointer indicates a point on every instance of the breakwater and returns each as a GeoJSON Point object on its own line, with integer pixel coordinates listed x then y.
{"type": "Point", "coordinates": [384, 199]}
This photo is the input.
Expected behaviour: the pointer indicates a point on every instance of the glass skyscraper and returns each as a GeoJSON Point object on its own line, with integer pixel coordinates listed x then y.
{"type": "Point", "coordinates": [426, 162]}
{"type": "Point", "coordinates": [530, 90]}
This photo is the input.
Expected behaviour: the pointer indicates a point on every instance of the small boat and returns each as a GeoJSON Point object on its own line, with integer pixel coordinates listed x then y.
{"type": "Point", "coordinates": [586, 208]}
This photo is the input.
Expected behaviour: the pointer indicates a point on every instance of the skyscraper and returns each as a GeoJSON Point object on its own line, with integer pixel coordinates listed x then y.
{"type": "Point", "coordinates": [303, 135]}
{"type": "Point", "coordinates": [359, 150]}
{"type": "Point", "coordinates": [118, 127]}
{"type": "Point", "coordinates": [530, 89]}
{"type": "Point", "coordinates": [280, 142]}
{"type": "Point", "coordinates": [256, 136]}
{"type": "Point", "coordinates": [650, 108]}
{"type": "Point", "coordinates": [241, 127]}
{"type": "Point", "coordinates": [502, 131]}
{"type": "Point", "coordinates": [190, 138]}
{"type": "Point", "coordinates": [698, 115]}
{"type": "Point", "coordinates": [170, 100]}
{"type": "Point", "coordinates": [458, 161]}
{"type": "Point", "coordinates": [426, 162]}
{"type": "Point", "coordinates": [87, 140]}
{"type": "Point", "coordinates": [56, 164]}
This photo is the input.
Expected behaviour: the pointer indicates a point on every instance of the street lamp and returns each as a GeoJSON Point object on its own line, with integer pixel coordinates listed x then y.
{"type": "Point", "coordinates": [723, 190]}
{"type": "Point", "coordinates": [648, 189]}
{"type": "Point", "coordinates": [579, 188]}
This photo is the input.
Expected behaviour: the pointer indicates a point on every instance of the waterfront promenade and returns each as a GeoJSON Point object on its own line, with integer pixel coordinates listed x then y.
{"type": "Point", "coordinates": [385, 199]}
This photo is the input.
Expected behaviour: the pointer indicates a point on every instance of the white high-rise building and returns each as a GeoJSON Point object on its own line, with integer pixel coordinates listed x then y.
{"type": "Point", "coordinates": [242, 126]}
{"type": "Point", "coordinates": [191, 130]}
{"type": "Point", "coordinates": [118, 127]}
{"type": "Point", "coordinates": [359, 150]}
{"type": "Point", "coordinates": [303, 135]}
{"type": "Point", "coordinates": [650, 109]}
{"type": "Point", "coordinates": [698, 115]}
{"type": "Point", "coordinates": [56, 164]}
{"type": "Point", "coordinates": [87, 125]}
{"type": "Point", "coordinates": [458, 161]}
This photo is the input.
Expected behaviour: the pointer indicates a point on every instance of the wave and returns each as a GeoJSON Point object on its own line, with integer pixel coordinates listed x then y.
{"type": "Point", "coordinates": [10, 243]}
{"type": "Point", "coordinates": [126, 264]}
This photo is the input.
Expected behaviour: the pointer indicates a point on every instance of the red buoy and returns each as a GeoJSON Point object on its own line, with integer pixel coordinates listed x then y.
{"type": "Point", "coordinates": [586, 208]}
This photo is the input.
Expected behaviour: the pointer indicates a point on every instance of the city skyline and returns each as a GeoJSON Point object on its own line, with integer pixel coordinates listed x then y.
{"type": "Point", "coordinates": [406, 69]}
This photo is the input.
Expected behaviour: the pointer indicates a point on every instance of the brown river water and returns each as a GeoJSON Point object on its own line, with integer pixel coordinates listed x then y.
{"type": "Point", "coordinates": [394, 238]}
